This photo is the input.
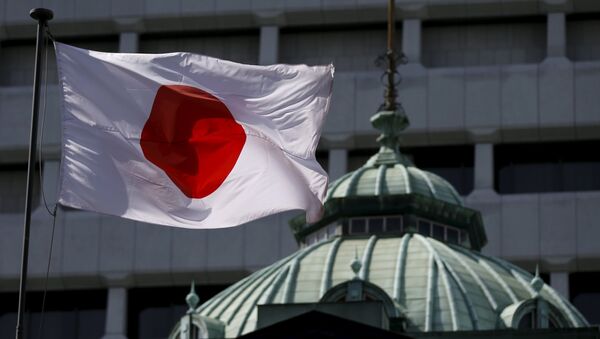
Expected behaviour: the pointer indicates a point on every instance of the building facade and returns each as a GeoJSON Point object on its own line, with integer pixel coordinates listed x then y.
{"type": "Point", "coordinates": [502, 98]}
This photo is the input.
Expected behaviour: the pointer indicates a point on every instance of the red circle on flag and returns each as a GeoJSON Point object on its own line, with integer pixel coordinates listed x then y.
{"type": "Point", "coordinates": [193, 137]}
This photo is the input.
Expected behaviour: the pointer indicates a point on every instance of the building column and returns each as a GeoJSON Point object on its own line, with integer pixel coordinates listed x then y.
{"type": "Point", "coordinates": [338, 163]}
{"type": "Point", "coordinates": [128, 42]}
{"type": "Point", "coordinates": [411, 40]}
{"type": "Point", "coordinates": [116, 314]}
{"type": "Point", "coordinates": [556, 35]}
{"type": "Point", "coordinates": [268, 53]}
{"type": "Point", "coordinates": [484, 167]}
{"type": "Point", "coordinates": [560, 282]}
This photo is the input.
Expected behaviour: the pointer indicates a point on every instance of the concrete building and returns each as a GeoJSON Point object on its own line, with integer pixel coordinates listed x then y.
{"type": "Point", "coordinates": [502, 98]}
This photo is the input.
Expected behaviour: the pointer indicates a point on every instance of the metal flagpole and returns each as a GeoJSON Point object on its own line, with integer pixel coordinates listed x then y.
{"type": "Point", "coordinates": [42, 16]}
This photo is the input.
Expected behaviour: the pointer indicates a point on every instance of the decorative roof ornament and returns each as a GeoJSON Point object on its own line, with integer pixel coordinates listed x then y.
{"type": "Point", "coordinates": [537, 283]}
{"type": "Point", "coordinates": [356, 265]}
{"type": "Point", "coordinates": [192, 299]}
{"type": "Point", "coordinates": [391, 118]}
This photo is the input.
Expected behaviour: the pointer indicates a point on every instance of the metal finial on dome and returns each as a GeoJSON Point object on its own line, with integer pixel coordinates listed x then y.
{"type": "Point", "coordinates": [356, 264]}
{"type": "Point", "coordinates": [537, 283]}
{"type": "Point", "coordinates": [391, 118]}
{"type": "Point", "coordinates": [192, 299]}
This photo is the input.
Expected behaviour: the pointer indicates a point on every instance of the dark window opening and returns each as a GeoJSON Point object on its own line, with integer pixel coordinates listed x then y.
{"type": "Point", "coordinates": [547, 167]}
{"type": "Point", "coordinates": [393, 224]}
{"type": "Point", "coordinates": [438, 232]}
{"type": "Point", "coordinates": [484, 41]}
{"type": "Point", "coordinates": [18, 57]}
{"type": "Point", "coordinates": [452, 236]}
{"type": "Point", "coordinates": [13, 185]}
{"type": "Point", "coordinates": [358, 226]}
{"type": "Point", "coordinates": [424, 228]}
{"type": "Point", "coordinates": [68, 314]}
{"type": "Point", "coordinates": [584, 291]}
{"type": "Point", "coordinates": [152, 312]}
{"type": "Point", "coordinates": [376, 225]}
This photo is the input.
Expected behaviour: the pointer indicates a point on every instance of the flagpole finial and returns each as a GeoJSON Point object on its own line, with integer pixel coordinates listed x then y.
{"type": "Point", "coordinates": [41, 14]}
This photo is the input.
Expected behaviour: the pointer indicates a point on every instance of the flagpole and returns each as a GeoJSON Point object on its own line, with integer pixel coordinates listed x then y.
{"type": "Point", "coordinates": [42, 16]}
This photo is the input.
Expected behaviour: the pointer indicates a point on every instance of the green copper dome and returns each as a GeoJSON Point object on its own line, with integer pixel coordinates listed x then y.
{"type": "Point", "coordinates": [390, 184]}
{"type": "Point", "coordinates": [428, 286]}
{"type": "Point", "coordinates": [375, 180]}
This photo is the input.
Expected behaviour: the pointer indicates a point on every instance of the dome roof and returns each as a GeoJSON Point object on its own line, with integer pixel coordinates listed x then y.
{"type": "Point", "coordinates": [389, 184]}
{"type": "Point", "coordinates": [434, 286]}
{"type": "Point", "coordinates": [376, 179]}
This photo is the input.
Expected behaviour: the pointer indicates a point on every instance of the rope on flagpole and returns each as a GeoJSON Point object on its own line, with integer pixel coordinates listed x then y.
{"type": "Point", "coordinates": [41, 158]}
{"type": "Point", "coordinates": [43, 124]}
{"type": "Point", "coordinates": [42, 313]}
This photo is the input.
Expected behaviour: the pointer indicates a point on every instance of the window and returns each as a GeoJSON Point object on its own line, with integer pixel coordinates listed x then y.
{"type": "Point", "coordinates": [13, 185]}
{"type": "Point", "coordinates": [584, 291]}
{"type": "Point", "coordinates": [478, 42]}
{"type": "Point", "coordinates": [443, 233]}
{"type": "Point", "coordinates": [152, 312]}
{"type": "Point", "coordinates": [358, 226]}
{"type": "Point", "coordinates": [18, 58]}
{"type": "Point", "coordinates": [65, 315]}
{"type": "Point", "coordinates": [393, 224]}
{"type": "Point", "coordinates": [547, 167]}
{"type": "Point", "coordinates": [350, 48]}
{"type": "Point", "coordinates": [373, 225]}
{"type": "Point", "coordinates": [439, 232]}
{"type": "Point", "coordinates": [452, 236]}
{"type": "Point", "coordinates": [238, 46]}
{"type": "Point", "coordinates": [582, 37]}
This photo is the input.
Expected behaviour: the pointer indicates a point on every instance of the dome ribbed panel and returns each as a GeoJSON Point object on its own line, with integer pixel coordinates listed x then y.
{"type": "Point", "coordinates": [310, 276]}
{"type": "Point", "coordinates": [436, 286]}
{"type": "Point", "coordinates": [339, 187]}
{"type": "Point", "coordinates": [418, 182]}
{"type": "Point", "coordinates": [386, 252]}
{"type": "Point", "coordinates": [346, 252]}
{"type": "Point", "coordinates": [366, 183]}
{"type": "Point", "coordinates": [443, 190]}
{"type": "Point", "coordinates": [397, 180]}
{"type": "Point", "coordinates": [415, 282]}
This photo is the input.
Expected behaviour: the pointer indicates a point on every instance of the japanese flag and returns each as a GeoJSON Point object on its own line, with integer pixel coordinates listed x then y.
{"type": "Point", "coordinates": [188, 140]}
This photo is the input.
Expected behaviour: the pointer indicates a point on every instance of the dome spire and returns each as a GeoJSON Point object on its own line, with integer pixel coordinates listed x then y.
{"type": "Point", "coordinates": [537, 283]}
{"type": "Point", "coordinates": [391, 118]}
{"type": "Point", "coordinates": [356, 264]}
{"type": "Point", "coordinates": [192, 298]}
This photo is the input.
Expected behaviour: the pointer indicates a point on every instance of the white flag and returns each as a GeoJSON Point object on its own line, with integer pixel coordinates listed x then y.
{"type": "Point", "coordinates": [188, 140]}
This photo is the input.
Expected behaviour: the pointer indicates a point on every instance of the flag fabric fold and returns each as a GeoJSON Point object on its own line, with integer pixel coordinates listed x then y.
{"type": "Point", "coordinates": [187, 140]}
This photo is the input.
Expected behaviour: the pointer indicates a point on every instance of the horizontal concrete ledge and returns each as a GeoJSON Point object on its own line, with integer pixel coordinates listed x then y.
{"type": "Point", "coordinates": [55, 282]}
{"type": "Point", "coordinates": [92, 18]}
{"type": "Point", "coordinates": [507, 103]}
